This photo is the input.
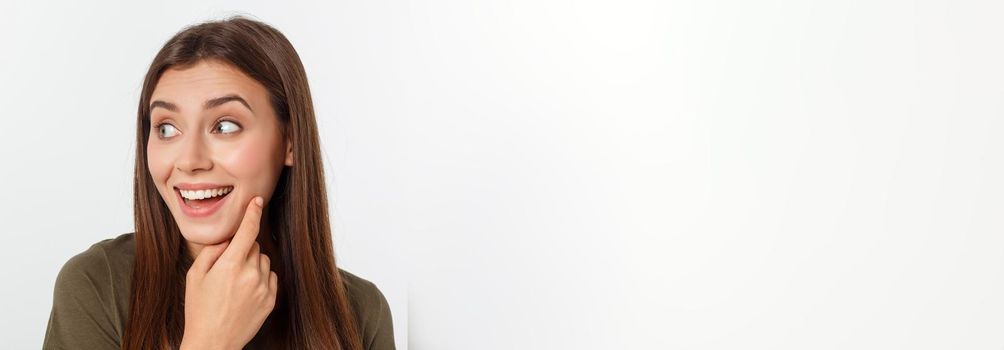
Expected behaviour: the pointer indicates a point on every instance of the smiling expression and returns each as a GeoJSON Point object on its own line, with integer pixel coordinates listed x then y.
{"type": "Point", "coordinates": [213, 124]}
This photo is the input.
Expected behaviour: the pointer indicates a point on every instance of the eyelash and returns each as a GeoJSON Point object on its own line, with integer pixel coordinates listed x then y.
{"type": "Point", "coordinates": [157, 126]}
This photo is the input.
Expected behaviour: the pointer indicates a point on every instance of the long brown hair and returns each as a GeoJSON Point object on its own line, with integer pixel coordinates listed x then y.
{"type": "Point", "coordinates": [312, 308]}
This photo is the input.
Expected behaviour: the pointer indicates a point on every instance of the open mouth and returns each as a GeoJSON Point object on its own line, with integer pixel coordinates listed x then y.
{"type": "Point", "coordinates": [203, 198]}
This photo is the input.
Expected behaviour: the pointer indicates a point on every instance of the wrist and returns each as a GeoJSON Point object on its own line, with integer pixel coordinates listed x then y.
{"type": "Point", "coordinates": [190, 343]}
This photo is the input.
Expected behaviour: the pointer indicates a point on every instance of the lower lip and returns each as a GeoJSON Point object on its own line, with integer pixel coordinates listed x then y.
{"type": "Point", "coordinates": [200, 212]}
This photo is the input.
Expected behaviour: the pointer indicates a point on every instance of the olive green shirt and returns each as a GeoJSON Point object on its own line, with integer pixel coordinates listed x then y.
{"type": "Point", "coordinates": [91, 300]}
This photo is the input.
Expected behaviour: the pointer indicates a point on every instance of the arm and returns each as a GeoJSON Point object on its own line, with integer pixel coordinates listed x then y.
{"type": "Point", "coordinates": [382, 326]}
{"type": "Point", "coordinates": [82, 305]}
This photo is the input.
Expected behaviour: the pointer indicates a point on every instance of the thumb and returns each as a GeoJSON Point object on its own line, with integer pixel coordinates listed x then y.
{"type": "Point", "coordinates": [207, 257]}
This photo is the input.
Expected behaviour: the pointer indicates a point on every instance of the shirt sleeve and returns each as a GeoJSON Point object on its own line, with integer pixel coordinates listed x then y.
{"type": "Point", "coordinates": [82, 315]}
{"type": "Point", "coordinates": [381, 331]}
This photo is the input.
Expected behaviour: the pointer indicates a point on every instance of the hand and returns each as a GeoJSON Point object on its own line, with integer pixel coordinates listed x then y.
{"type": "Point", "coordinates": [230, 290]}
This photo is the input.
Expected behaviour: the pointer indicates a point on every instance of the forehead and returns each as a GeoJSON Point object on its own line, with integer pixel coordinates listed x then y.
{"type": "Point", "coordinates": [206, 79]}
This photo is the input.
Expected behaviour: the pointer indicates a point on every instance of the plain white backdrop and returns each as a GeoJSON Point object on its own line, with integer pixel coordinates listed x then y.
{"type": "Point", "coordinates": [577, 174]}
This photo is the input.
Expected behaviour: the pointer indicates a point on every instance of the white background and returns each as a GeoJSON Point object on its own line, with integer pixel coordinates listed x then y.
{"type": "Point", "coordinates": [577, 174]}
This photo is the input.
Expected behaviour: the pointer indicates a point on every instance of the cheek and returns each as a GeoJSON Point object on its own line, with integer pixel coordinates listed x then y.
{"type": "Point", "coordinates": [246, 160]}
{"type": "Point", "coordinates": [158, 164]}
{"type": "Point", "coordinates": [250, 163]}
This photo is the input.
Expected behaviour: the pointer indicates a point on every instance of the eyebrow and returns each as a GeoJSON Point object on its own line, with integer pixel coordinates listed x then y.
{"type": "Point", "coordinates": [211, 103]}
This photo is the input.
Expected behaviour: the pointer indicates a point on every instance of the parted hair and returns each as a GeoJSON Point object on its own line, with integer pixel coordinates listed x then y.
{"type": "Point", "coordinates": [312, 309]}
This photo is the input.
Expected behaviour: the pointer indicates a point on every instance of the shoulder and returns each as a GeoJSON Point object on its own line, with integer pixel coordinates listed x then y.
{"type": "Point", "coordinates": [365, 296]}
{"type": "Point", "coordinates": [372, 311]}
{"type": "Point", "coordinates": [104, 268]}
{"type": "Point", "coordinates": [104, 259]}
{"type": "Point", "coordinates": [90, 297]}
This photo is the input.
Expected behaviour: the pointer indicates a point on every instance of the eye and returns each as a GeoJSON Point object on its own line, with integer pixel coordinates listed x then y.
{"type": "Point", "coordinates": [165, 130]}
{"type": "Point", "coordinates": [227, 127]}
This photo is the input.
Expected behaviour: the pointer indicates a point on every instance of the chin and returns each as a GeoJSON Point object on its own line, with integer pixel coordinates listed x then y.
{"type": "Point", "coordinates": [204, 235]}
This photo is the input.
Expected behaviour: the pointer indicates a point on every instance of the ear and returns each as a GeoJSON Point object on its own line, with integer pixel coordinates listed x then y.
{"type": "Point", "coordinates": [289, 153]}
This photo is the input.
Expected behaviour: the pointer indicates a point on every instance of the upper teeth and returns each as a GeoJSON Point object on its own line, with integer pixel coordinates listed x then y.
{"type": "Point", "coordinates": [203, 194]}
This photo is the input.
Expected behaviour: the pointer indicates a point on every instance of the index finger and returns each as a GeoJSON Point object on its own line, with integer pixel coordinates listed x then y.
{"type": "Point", "coordinates": [247, 233]}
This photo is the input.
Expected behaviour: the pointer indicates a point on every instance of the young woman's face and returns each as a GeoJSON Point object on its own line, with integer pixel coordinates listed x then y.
{"type": "Point", "coordinates": [213, 126]}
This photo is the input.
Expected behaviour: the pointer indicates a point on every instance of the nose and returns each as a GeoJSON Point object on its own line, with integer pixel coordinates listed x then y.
{"type": "Point", "coordinates": [194, 155]}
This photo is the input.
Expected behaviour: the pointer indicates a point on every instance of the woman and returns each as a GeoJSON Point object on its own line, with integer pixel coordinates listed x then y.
{"type": "Point", "coordinates": [232, 247]}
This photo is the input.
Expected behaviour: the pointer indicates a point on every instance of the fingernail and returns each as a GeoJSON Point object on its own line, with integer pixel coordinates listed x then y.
{"type": "Point", "coordinates": [258, 201]}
